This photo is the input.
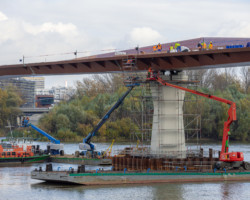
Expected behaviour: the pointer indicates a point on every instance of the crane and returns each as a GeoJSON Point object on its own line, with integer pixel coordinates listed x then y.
{"type": "Point", "coordinates": [87, 145]}
{"type": "Point", "coordinates": [226, 159]}
{"type": "Point", "coordinates": [55, 147]}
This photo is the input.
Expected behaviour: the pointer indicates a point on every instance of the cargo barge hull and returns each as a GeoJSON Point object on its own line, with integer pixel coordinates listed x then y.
{"type": "Point", "coordinates": [23, 160]}
{"type": "Point", "coordinates": [112, 177]}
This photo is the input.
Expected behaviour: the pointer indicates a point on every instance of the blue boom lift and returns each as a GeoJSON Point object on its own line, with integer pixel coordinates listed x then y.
{"type": "Point", "coordinates": [54, 147]}
{"type": "Point", "coordinates": [87, 145]}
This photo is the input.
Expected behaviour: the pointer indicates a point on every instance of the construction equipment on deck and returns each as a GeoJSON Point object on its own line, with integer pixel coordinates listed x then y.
{"type": "Point", "coordinates": [87, 145]}
{"type": "Point", "coordinates": [108, 152]}
{"type": "Point", "coordinates": [55, 147]}
{"type": "Point", "coordinates": [227, 159]}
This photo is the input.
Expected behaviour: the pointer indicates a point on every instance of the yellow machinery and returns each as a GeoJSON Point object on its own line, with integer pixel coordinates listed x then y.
{"type": "Point", "coordinates": [109, 150]}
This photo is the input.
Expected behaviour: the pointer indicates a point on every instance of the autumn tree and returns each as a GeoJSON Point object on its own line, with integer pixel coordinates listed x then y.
{"type": "Point", "coordinates": [245, 73]}
{"type": "Point", "coordinates": [10, 102]}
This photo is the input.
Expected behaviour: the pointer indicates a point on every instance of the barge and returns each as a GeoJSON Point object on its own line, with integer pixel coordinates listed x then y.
{"type": "Point", "coordinates": [101, 177]}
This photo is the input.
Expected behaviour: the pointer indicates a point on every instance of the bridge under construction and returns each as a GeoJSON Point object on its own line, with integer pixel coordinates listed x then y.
{"type": "Point", "coordinates": [223, 54]}
{"type": "Point", "coordinates": [168, 130]}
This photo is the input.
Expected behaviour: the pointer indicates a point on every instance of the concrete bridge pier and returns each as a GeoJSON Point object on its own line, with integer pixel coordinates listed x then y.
{"type": "Point", "coordinates": [168, 137]}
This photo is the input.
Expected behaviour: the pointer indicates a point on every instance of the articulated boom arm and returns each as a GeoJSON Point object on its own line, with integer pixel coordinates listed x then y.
{"type": "Point", "coordinates": [231, 111]}
{"type": "Point", "coordinates": [53, 140]}
{"type": "Point", "coordinates": [106, 116]}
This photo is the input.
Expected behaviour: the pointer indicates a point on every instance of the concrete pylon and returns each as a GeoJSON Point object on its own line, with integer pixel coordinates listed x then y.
{"type": "Point", "coordinates": [168, 137]}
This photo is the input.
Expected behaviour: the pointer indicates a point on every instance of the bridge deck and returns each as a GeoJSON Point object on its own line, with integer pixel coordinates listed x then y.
{"type": "Point", "coordinates": [160, 60]}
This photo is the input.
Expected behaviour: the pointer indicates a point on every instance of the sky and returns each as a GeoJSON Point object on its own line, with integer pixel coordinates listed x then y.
{"type": "Point", "coordinates": [47, 30]}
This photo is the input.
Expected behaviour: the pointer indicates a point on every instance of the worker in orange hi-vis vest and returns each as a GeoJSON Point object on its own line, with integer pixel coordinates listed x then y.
{"type": "Point", "coordinates": [159, 47]}
{"type": "Point", "coordinates": [154, 48]}
{"type": "Point", "coordinates": [210, 46]}
{"type": "Point", "coordinates": [204, 45]}
{"type": "Point", "coordinates": [150, 70]}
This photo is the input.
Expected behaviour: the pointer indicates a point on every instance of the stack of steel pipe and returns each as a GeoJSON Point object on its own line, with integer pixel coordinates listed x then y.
{"type": "Point", "coordinates": [138, 163]}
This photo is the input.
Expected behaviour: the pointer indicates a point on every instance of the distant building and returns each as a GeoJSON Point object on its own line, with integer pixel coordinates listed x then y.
{"type": "Point", "coordinates": [25, 88]}
{"type": "Point", "coordinates": [59, 93]}
{"type": "Point", "coordinates": [44, 101]}
{"type": "Point", "coordinates": [33, 93]}
{"type": "Point", "coordinates": [39, 82]}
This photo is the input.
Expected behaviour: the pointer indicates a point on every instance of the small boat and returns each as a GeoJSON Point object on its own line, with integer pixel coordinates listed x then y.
{"type": "Point", "coordinates": [20, 151]}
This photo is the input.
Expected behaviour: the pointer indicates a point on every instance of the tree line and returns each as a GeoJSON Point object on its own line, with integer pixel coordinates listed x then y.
{"type": "Point", "coordinates": [230, 84]}
{"type": "Point", "coordinates": [94, 96]}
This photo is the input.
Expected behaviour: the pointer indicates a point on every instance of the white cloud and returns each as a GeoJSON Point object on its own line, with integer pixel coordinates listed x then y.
{"type": "Point", "coordinates": [33, 40]}
{"type": "Point", "coordinates": [13, 29]}
{"type": "Point", "coordinates": [144, 36]}
{"type": "Point", "coordinates": [10, 30]}
{"type": "Point", "coordinates": [48, 27]}
{"type": "Point", "coordinates": [235, 29]}
{"type": "Point", "coordinates": [3, 17]}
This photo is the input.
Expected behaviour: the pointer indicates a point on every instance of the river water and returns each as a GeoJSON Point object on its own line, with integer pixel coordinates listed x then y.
{"type": "Point", "coordinates": [15, 183]}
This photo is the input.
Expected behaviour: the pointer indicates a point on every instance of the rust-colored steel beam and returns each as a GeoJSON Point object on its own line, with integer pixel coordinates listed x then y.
{"type": "Point", "coordinates": [160, 61]}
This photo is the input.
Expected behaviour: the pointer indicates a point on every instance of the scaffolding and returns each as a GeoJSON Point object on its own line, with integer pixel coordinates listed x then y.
{"type": "Point", "coordinates": [144, 115]}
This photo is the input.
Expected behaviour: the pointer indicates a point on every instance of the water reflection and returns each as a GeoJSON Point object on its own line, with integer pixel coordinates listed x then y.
{"type": "Point", "coordinates": [235, 190]}
{"type": "Point", "coordinates": [193, 191]}
{"type": "Point", "coordinates": [97, 192]}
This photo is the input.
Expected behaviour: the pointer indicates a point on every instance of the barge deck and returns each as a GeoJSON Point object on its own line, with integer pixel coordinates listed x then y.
{"type": "Point", "coordinates": [110, 177]}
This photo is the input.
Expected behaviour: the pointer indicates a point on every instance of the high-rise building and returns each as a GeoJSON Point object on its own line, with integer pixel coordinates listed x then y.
{"type": "Point", "coordinates": [39, 82]}
{"type": "Point", "coordinates": [25, 88]}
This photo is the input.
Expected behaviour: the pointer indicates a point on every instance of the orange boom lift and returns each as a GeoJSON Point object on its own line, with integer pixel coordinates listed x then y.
{"type": "Point", "coordinates": [227, 159]}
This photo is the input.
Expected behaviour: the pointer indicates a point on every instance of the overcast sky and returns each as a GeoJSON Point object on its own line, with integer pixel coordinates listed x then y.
{"type": "Point", "coordinates": [57, 28]}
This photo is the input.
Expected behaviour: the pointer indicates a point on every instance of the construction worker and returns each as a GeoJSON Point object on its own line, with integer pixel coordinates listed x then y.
{"type": "Point", "coordinates": [171, 48]}
{"type": "Point", "coordinates": [204, 45]}
{"type": "Point", "coordinates": [210, 46]}
{"type": "Point", "coordinates": [177, 46]}
{"type": "Point", "coordinates": [155, 73]}
{"type": "Point", "coordinates": [154, 48]}
{"type": "Point", "coordinates": [23, 121]}
{"type": "Point", "coordinates": [159, 47]}
{"type": "Point", "coordinates": [199, 46]}
{"type": "Point", "coordinates": [129, 61]}
{"type": "Point", "coordinates": [150, 70]}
